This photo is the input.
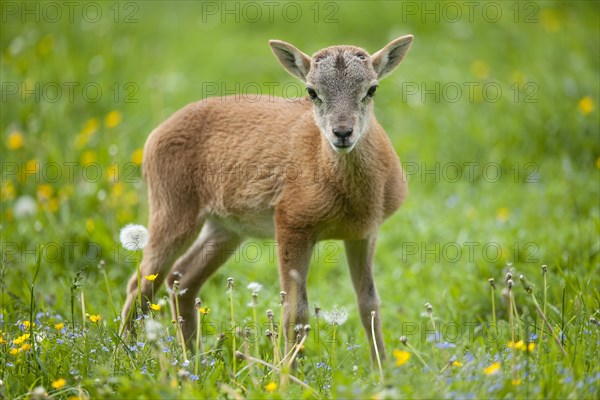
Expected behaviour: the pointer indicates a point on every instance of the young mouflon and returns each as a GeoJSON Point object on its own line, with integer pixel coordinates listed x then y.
{"type": "Point", "coordinates": [318, 168]}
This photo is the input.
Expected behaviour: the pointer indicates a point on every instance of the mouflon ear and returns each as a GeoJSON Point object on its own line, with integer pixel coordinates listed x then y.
{"type": "Point", "coordinates": [388, 58]}
{"type": "Point", "coordinates": [293, 60]}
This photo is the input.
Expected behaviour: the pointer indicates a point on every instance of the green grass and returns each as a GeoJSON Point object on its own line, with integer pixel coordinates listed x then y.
{"type": "Point", "coordinates": [527, 195]}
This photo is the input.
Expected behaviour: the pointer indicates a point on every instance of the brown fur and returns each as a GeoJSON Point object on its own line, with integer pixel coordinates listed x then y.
{"type": "Point", "coordinates": [231, 169]}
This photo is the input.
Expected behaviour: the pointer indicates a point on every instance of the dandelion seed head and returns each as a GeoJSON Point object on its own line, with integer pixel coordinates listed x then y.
{"type": "Point", "coordinates": [337, 316]}
{"type": "Point", "coordinates": [183, 373]}
{"type": "Point", "coordinates": [39, 392]}
{"type": "Point", "coordinates": [134, 237]}
{"type": "Point", "coordinates": [255, 287]}
{"type": "Point", "coordinates": [24, 206]}
{"type": "Point", "coordinates": [153, 329]}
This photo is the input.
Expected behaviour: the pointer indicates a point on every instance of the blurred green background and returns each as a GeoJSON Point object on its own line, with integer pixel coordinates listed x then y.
{"type": "Point", "coordinates": [494, 113]}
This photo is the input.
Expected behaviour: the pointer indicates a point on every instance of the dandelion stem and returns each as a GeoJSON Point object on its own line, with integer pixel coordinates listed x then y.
{"type": "Point", "coordinates": [333, 342]}
{"type": "Point", "coordinates": [38, 263]}
{"type": "Point", "coordinates": [296, 349]}
{"type": "Point", "coordinates": [277, 355]}
{"type": "Point", "coordinates": [416, 353]}
{"type": "Point", "coordinates": [233, 341]}
{"type": "Point", "coordinates": [178, 321]}
{"type": "Point", "coordinates": [318, 337]}
{"type": "Point", "coordinates": [139, 283]}
{"type": "Point", "coordinates": [514, 304]}
{"type": "Point", "coordinates": [82, 296]}
{"type": "Point", "coordinates": [255, 321]}
{"type": "Point", "coordinates": [492, 295]}
{"type": "Point", "coordinates": [274, 368]}
{"type": "Point", "coordinates": [544, 272]}
{"type": "Point", "coordinates": [510, 314]}
{"type": "Point", "coordinates": [198, 341]}
{"type": "Point", "coordinates": [556, 339]}
{"type": "Point", "coordinates": [110, 300]}
{"type": "Point", "coordinates": [375, 345]}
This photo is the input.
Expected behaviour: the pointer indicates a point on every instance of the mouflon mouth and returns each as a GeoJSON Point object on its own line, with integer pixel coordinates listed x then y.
{"type": "Point", "coordinates": [344, 145]}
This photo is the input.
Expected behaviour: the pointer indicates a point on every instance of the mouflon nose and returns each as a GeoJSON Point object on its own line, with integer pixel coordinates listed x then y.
{"type": "Point", "coordinates": [342, 132]}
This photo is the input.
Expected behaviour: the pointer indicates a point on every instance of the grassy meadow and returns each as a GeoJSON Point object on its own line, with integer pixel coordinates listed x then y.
{"type": "Point", "coordinates": [493, 112]}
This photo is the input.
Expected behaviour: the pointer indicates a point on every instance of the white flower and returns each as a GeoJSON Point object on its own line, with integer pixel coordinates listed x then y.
{"type": "Point", "coordinates": [337, 316]}
{"type": "Point", "coordinates": [255, 287]}
{"type": "Point", "coordinates": [153, 329]}
{"type": "Point", "coordinates": [134, 237]}
{"type": "Point", "coordinates": [24, 206]}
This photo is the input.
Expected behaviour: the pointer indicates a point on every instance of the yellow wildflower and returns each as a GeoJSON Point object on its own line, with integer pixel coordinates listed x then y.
{"type": "Point", "coordinates": [89, 225]}
{"type": "Point", "coordinates": [112, 119]}
{"type": "Point", "coordinates": [59, 326]}
{"type": "Point", "coordinates": [91, 126]}
{"type": "Point", "coordinates": [117, 189]}
{"type": "Point", "coordinates": [516, 382]}
{"type": "Point", "coordinates": [95, 318]}
{"type": "Point", "coordinates": [59, 383]}
{"type": "Point", "coordinates": [204, 310]}
{"type": "Point", "coordinates": [585, 105]}
{"type": "Point", "coordinates": [26, 347]}
{"type": "Point", "coordinates": [520, 345]}
{"type": "Point", "coordinates": [155, 307]}
{"type": "Point", "coordinates": [502, 214]}
{"type": "Point", "coordinates": [45, 45]}
{"type": "Point", "coordinates": [14, 351]}
{"type": "Point", "coordinates": [32, 168]}
{"type": "Point", "coordinates": [18, 341]}
{"type": "Point", "coordinates": [44, 192]}
{"type": "Point", "coordinates": [530, 347]}
{"type": "Point", "coordinates": [550, 20]}
{"type": "Point", "coordinates": [152, 277]}
{"type": "Point", "coordinates": [137, 156]}
{"type": "Point", "coordinates": [456, 363]}
{"type": "Point", "coordinates": [492, 369]}
{"type": "Point", "coordinates": [271, 387]}
{"type": "Point", "coordinates": [26, 324]}
{"type": "Point", "coordinates": [401, 356]}
{"type": "Point", "coordinates": [15, 140]}
{"type": "Point", "coordinates": [88, 157]}
{"type": "Point", "coordinates": [480, 69]}
{"type": "Point", "coordinates": [2, 341]}
{"type": "Point", "coordinates": [7, 191]}
{"type": "Point", "coordinates": [52, 205]}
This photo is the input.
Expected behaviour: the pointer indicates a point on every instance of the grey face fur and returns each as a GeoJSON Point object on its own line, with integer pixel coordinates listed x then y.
{"type": "Point", "coordinates": [341, 81]}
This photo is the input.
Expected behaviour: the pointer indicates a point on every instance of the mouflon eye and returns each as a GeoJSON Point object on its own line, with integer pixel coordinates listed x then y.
{"type": "Point", "coordinates": [372, 90]}
{"type": "Point", "coordinates": [312, 94]}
